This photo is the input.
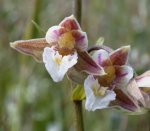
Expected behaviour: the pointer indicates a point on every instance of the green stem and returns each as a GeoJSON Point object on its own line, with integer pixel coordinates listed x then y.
{"type": "Point", "coordinates": [149, 119]}
{"type": "Point", "coordinates": [77, 6]}
{"type": "Point", "coordinates": [79, 116]}
{"type": "Point", "coordinates": [78, 104]}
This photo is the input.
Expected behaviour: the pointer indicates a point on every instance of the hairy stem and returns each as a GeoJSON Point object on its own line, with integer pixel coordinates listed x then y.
{"type": "Point", "coordinates": [77, 4]}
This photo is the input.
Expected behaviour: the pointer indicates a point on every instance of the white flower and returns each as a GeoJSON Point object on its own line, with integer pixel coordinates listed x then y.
{"type": "Point", "coordinates": [56, 64]}
{"type": "Point", "coordinates": [97, 97]}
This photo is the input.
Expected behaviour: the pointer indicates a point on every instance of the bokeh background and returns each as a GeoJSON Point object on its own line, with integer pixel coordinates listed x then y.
{"type": "Point", "coordinates": [29, 99]}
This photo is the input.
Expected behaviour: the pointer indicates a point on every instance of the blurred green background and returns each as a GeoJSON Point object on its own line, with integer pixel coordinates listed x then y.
{"type": "Point", "coordinates": [29, 99]}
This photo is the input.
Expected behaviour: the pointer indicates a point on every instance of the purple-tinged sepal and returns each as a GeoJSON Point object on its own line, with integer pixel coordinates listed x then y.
{"type": "Point", "coordinates": [70, 23]}
{"type": "Point", "coordinates": [88, 65]}
{"type": "Point", "coordinates": [33, 47]}
{"type": "Point", "coordinates": [120, 56]}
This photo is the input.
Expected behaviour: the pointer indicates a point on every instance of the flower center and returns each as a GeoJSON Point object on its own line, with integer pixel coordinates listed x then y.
{"type": "Point", "coordinates": [66, 41]}
{"type": "Point", "coordinates": [109, 77]}
{"type": "Point", "coordinates": [99, 91]}
{"type": "Point", "coordinates": [58, 59]}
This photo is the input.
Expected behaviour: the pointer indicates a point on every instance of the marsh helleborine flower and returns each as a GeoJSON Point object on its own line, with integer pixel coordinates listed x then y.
{"type": "Point", "coordinates": [118, 74]}
{"type": "Point", "coordinates": [60, 48]}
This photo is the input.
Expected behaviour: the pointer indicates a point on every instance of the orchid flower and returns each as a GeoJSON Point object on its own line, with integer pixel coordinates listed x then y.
{"type": "Point", "coordinates": [68, 38]}
{"type": "Point", "coordinates": [60, 49]}
{"type": "Point", "coordinates": [118, 75]}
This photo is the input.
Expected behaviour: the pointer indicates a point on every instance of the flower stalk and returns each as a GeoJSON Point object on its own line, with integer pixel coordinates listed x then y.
{"type": "Point", "coordinates": [77, 6]}
{"type": "Point", "coordinates": [78, 104]}
{"type": "Point", "coordinates": [79, 116]}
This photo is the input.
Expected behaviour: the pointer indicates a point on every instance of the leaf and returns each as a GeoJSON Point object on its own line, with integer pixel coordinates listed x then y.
{"type": "Point", "coordinates": [100, 41]}
{"type": "Point", "coordinates": [78, 93]}
{"type": "Point", "coordinates": [38, 27]}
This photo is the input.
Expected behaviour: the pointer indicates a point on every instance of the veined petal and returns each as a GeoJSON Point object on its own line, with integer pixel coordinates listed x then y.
{"type": "Point", "coordinates": [70, 23]}
{"type": "Point", "coordinates": [146, 97]}
{"type": "Point", "coordinates": [143, 80]}
{"type": "Point", "coordinates": [33, 47]}
{"type": "Point", "coordinates": [124, 101]}
{"type": "Point", "coordinates": [123, 75]}
{"type": "Point", "coordinates": [134, 91]}
{"type": "Point", "coordinates": [58, 65]}
{"type": "Point", "coordinates": [120, 56]}
{"type": "Point", "coordinates": [88, 65]}
{"type": "Point", "coordinates": [96, 102]}
{"type": "Point", "coordinates": [54, 33]}
{"type": "Point", "coordinates": [80, 39]}
{"type": "Point", "coordinates": [68, 61]}
{"type": "Point", "coordinates": [101, 57]}
{"type": "Point", "coordinates": [101, 103]}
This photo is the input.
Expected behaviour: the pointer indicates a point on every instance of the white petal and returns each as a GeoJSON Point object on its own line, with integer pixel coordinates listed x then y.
{"type": "Point", "coordinates": [54, 33]}
{"type": "Point", "coordinates": [103, 102]}
{"type": "Point", "coordinates": [100, 56]}
{"type": "Point", "coordinates": [123, 75]}
{"type": "Point", "coordinates": [96, 102]}
{"type": "Point", "coordinates": [90, 98]}
{"type": "Point", "coordinates": [143, 80]}
{"type": "Point", "coordinates": [56, 70]}
{"type": "Point", "coordinates": [134, 91]}
{"type": "Point", "coordinates": [67, 62]}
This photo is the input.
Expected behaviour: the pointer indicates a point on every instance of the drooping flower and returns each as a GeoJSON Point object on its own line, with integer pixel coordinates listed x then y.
{"type": "Point", "coordinates": [118, 73]}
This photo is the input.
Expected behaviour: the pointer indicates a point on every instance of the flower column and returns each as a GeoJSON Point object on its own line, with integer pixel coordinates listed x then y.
{"type": "Point", "coordinates": [77, 6]}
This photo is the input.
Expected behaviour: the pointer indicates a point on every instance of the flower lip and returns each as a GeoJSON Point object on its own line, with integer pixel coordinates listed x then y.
{"type": "Point", "coordinates": [96, 102]}
{"type": "Point", "coordinates": [56, 64]}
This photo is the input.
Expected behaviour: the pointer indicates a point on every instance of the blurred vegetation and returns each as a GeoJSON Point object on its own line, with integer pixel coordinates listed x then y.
{"type": "Point", "coordinates": [29, 99]}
